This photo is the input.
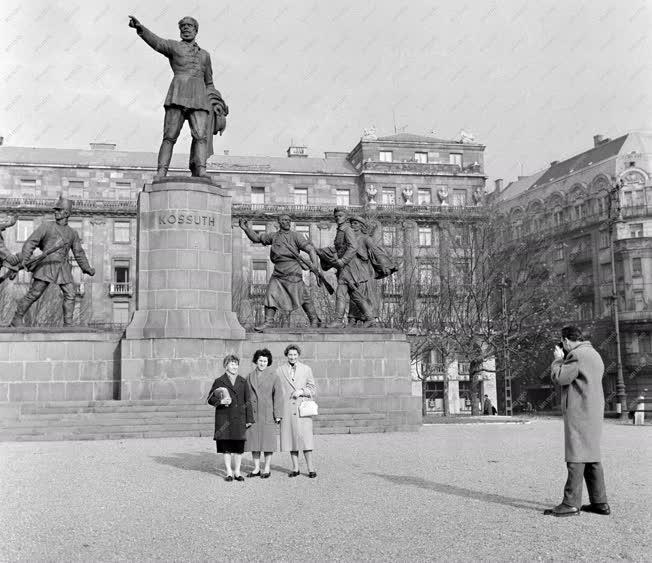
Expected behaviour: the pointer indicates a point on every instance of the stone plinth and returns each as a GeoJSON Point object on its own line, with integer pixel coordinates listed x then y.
{"type": "Point", "coordinates": [184, 262]}
{"type": "Point", "coordinates": [352, 369]}
{"type": "Point", "coordinates": [66, 366]}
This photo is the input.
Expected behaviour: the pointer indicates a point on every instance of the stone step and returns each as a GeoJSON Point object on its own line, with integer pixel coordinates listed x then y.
{"type": "Point", "coordinates": [113, 419]}
{"type": "Point", "coordinates": [114, 434]}
{"type": "Point", "coordinates": [117, 407]}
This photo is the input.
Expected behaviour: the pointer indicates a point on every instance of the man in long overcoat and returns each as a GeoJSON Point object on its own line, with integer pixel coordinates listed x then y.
{"type": "Point", "coordinates": [579, 375]}
{"type": "Point", "coordinates": [55, 268]}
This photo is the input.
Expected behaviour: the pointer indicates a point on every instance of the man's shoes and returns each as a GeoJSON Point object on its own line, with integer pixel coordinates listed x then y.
{"type": "Point", "coordinates": [262, 327]}
{"type": "Point", "coordinates": [312, 474]}
{"type": "Point", "coordinates": [562, 510]}
{"type": "Point", "coordinates": [598, 508]}
{"type": "Point", "coordinates": [294, 474]}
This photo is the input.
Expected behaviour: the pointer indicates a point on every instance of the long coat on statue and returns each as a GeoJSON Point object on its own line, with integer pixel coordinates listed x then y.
{"type": "Point", "coordinates": [582, 402]}
{"type": "Point", "coordinates": [296, 432]}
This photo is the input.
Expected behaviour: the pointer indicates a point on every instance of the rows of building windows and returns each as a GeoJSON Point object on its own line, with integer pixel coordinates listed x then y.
{"type": "Point", "coordinates": [300, 196]}
{"type": "Point", "coordinates": [423, 157]}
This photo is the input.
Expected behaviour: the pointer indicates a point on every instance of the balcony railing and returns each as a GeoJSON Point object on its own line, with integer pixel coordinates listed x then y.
{"type": "Point", "coordinates": [87, 205]}
{"type": "Point", "coordinates": [326, 211]}
{"type": "Point", "coordinates": [420, 168]}
{"type": "Point", "coordinates": [116, 288]}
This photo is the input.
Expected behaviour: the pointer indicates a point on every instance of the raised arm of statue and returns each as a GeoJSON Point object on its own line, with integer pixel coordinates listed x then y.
{"type": "Point", "coordinates": [163, 46]}
{"type": "Point", "coordinates": [252, 235]}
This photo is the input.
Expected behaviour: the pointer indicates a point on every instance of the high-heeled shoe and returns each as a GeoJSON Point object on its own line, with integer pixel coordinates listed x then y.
{"type": "Point", "coordinates": [252, 474]}
{"type": "Point", "coordinates": [312, 474]}
{"type": "Point", "coordinates": [239, 478]}
{"type": "Point", "coordinates": [294, 474]}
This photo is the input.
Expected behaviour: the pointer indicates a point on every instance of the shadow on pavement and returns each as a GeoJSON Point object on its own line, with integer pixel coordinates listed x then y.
{"type": "Point", "coordinates": [461, 492]}
{"type": "Point", "coordinates": [207, 462]}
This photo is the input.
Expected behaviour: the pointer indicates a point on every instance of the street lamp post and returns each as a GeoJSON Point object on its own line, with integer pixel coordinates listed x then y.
{"type": "Point", "coordinates": [613, 218]}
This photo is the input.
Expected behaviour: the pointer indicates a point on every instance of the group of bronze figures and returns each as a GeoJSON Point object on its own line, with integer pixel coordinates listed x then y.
{"type": "Point", "coordinates": [355, 256]}
{"type": "Point", "coordinates": [193, 97]}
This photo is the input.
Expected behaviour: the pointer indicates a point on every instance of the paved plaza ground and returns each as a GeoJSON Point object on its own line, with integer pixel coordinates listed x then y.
{"type": "Point", "coordinates": [447, 492]}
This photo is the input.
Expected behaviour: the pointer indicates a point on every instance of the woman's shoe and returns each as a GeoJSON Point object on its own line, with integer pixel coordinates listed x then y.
{"type": "Point", "coordinates": [312, 474]}
{"type": "Point", "coordinates": [294, 474]}
{"type": "Point", "coordinates": [252, 474]}
{"type": "Point", "coordinates": [265, 475]}
{"type": "Point", "coordinates": [239, 478]}
{"type": "Point", "coordinates": [228, 478]}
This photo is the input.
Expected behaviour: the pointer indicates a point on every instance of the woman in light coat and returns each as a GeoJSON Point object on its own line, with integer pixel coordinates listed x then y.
{"type": "Point", "coordinates": [266, 404]}
{"type": "Point", "coordinates": [296, 431]}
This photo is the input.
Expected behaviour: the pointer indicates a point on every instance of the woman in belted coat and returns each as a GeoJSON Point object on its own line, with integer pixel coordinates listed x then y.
{"type": "Point", "coordinates": [266, 404]}
{"type": "Point", "coordinates": [296, 432]}
{"type": "Point", "coordinates": [230, 395]}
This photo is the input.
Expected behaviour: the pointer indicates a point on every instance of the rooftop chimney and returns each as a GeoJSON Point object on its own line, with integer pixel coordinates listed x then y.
{"type": "Point", "coordinates": [598, 140]}
{"type": "Point", "coordinates": [499, 185]}
{"type": "Point", "coordinates": [103, 146]}
{"type": "Point", "coordinates": [297, 151]}
{"type": "Point", "coordinates": [553, 162]}
{"type": "Point", "coordinates": [335, 154]}
{"type": "Point", "coordinates": [2, 141]}
{"type": "Point", "coordinates": [226, 152]}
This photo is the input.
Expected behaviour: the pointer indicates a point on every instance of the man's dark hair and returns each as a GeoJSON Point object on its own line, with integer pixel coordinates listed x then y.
{"type": "Point", "coordinates": [230, 358]}
{"type": "Point", "coordinates": [572, 333]}
{"type": "Point", "coordinates": [192, 20]}
{"type": "Point", "coordinates": [264, 353]}
{"type": "Point", "coordinates": [292, 347]}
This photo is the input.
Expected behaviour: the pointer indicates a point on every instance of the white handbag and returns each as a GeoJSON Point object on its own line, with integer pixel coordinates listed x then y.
{"type": "Point", "coordinates": [308, 408]}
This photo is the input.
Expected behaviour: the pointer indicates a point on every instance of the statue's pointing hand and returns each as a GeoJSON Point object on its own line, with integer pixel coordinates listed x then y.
{"type": "Point", "coordinates": [133, 22]}
{"type": "Point", "coordinates": [243, 223]}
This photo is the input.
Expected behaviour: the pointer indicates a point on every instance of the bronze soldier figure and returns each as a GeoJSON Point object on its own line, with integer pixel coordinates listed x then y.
{"type": "Point", "coordinates": [191, 96]}
{"type": "Point", "coordinates": [55, 268]}
{"type": "Point", "coordinates": [349, 257]}
{"type": "Point", "coordinates": [286, 290]}
{"type": "Point", "coordinates": [5, 255]}
{"type": "Point", "coordinates": [357, 260]}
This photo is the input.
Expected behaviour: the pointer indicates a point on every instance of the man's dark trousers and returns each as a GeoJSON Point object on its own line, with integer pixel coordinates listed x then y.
{"type": "Point", "coordinates": [593, 475]}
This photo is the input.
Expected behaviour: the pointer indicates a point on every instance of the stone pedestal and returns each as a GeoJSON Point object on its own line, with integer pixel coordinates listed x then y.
{"type": "Point", "coordinates": [184, 262]}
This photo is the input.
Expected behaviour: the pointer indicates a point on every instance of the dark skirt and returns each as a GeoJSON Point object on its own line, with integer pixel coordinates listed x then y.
{"type": "Point", "coordinates": [230, 446]}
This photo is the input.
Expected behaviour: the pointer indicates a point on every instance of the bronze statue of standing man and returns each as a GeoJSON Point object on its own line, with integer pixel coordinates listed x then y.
{"type": "Point", "coordinates": [191, 96]}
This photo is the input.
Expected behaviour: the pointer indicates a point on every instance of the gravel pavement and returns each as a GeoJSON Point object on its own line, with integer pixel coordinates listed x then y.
{"type": "Point", "coordinates": [448, 492]}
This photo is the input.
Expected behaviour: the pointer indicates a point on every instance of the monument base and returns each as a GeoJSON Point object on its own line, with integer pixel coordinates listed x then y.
{"type": "Point", "coordinates": [59, 366]}
{"type": "Point", "coordinates": [368, 370]}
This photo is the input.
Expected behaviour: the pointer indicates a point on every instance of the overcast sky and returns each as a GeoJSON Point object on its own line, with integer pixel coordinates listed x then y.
{"type": "Point", "coordinates": [533, 81]}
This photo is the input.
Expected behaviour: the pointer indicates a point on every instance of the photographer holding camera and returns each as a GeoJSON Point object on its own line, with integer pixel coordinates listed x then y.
{"type": "Point", "coordinates": [578, 370]}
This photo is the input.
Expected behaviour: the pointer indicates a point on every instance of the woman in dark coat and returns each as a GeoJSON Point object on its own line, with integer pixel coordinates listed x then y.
{"type": "Point", "coordinates": [231, 397]}
{"type": "Point", "coordinates": [267, 404]}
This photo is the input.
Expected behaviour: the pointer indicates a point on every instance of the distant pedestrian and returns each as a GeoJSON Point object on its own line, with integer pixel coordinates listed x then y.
{"type": "Point", "coordinates": [266, 405]}
{"type": "Point", "coordinates": [579, 375]}
{"type": "Point", "coordinates": [230, 395]}
{"type": "Point", "coordinates": [488, 407]}
{"type": "Point", "coordinates": [296, 431]}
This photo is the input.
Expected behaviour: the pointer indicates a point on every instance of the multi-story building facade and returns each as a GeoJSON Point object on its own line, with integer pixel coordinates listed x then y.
{"type": "Point", "coordinates": [411, 187]}
{"type": "Point", "coordinates": [570, 200]}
